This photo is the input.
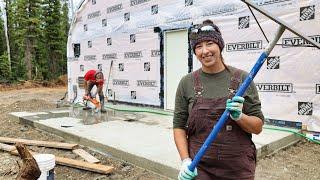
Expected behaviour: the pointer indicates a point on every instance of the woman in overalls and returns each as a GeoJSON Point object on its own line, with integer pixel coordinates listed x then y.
{"type": "Point", "coordinates": [201, 98]}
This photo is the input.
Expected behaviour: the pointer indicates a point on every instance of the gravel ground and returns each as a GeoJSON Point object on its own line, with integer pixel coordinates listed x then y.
{"type": "Point", "coordinates": [301, 161]}
{"type": "Point", "coordinates": [45, 98]}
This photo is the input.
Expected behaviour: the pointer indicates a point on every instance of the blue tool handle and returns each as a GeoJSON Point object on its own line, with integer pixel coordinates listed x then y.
{"type": "Point", "coordinates": [226, 113]}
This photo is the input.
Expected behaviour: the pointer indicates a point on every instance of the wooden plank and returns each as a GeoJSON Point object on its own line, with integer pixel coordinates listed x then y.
{"type": "Point", "coordinates": [99, 168]}
{"type": "Point", "coordinates": [86, 156]}
{"type": "Point", "coordinates": [51, 144]}
{"type": "Point", "coordinates": [6, 147]}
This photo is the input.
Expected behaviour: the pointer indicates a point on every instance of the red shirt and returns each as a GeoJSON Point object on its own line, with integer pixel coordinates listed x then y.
{"type": "Point", "coordinates": [90, 76]}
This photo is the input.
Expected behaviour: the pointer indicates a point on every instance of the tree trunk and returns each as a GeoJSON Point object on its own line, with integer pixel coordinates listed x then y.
{"type": "Point", "coordinates": [28, 58]}
{"type": "Point", "coordinates": [6, 34]}
{"type": "Point", "coordinates": [54, 63]}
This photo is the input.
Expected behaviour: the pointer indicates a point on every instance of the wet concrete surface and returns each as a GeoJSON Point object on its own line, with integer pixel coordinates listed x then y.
{"type": "Point", "coordinates": [89, 117]}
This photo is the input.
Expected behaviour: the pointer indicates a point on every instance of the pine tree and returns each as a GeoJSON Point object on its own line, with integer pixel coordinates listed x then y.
{"type": "Point", "coordinates": [17, 64]}
{"type": "Point", "coordinates": [5, 74]}
{"type": "Point", "coordinates": [37, 33]}
{"type": "Point", "coordinates": [53, 36]}
{"type": "Point", "coordinates": [5, 71]}
{"type": "Point", "coordinates": [65, 19]}
{"type": "Point", "coordinates": [42, 66]}
{"type": "Point", "coordinates": [27, 32]}
{"type": "Point", "coordinates": [3, 47]}
{"type": "Point", "coordinates": [65, 31]}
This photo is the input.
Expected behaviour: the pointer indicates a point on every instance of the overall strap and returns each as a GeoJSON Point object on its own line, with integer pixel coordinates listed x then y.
{"type": "Point", "coordinates": [198, 88]}
{"type": "Point", "coordinates": [235, 81]}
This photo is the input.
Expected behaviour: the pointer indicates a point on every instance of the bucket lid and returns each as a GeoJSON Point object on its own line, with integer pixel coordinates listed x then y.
{"type": "Point", "coordinates": [45, 161]}
{"type": "Point", "coordinates": [44, 157]}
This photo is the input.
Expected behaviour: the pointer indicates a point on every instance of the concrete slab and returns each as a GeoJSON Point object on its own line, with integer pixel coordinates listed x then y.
{"type": "Point", "coordinates": [134, 134]}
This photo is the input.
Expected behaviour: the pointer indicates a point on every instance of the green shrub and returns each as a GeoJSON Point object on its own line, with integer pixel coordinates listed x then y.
{"type": "Point", "coordinates": [5, 73]}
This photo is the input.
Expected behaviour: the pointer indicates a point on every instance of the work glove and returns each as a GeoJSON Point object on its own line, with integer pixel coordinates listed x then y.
{"type": "Point", "coordinates": [185, 173]}
{"type": "Point", "coordinates": [235, 106]}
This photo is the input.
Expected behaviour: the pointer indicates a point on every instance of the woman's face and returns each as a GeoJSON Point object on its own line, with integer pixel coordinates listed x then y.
{"type": "Point", "coordinates": [209, 54]}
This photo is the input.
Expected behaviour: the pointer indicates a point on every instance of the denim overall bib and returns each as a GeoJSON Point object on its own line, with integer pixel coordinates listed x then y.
{"type": "Point", "coordinates": [232, 155]}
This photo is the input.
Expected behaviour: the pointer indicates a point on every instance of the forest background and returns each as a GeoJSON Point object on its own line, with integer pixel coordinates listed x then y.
{"type": "Point", "coordinates": [33, 40]}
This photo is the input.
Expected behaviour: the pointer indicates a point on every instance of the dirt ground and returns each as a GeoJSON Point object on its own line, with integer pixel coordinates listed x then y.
{"type": "Point", "coordinates": [301, 161]}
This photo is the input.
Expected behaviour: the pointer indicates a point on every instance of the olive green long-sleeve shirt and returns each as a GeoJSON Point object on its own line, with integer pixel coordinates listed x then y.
{"type": "Point", "coordinates": [215, 86]}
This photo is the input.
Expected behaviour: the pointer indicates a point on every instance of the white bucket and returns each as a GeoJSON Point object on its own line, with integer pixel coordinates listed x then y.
{"type": "Point", "coordinates": [46, 163]}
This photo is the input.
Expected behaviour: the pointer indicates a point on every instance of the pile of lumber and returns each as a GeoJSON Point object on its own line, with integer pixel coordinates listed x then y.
{"type": "Point", "coordinates": [89, 162]}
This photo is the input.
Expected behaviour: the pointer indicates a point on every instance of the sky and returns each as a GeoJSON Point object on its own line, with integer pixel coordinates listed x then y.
{"type": "Point", "coordinates": [76, 3]}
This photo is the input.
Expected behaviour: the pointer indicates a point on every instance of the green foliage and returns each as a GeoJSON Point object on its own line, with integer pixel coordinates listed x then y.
{"type": "Point", "coordinates": [37, 31]}
{"type": "Point", "coordinates": [53, 36]}
{"type": "Point", "coordinates": [2, 38]}
{"type": "Point", "coordinates": [19, 70]}
{"type": "Point", "coordinates": [5, 73]}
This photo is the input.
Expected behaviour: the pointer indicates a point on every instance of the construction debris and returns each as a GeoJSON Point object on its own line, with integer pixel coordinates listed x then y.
{"type": "Point", "coordinates": [6, 147]}
{"type": "Point", "coordinates": [50, 144]}
{"type": "Point", "coordinates": [99, 168]}
{"type": "Point", "coordinates": [30, 169]}
{"type": "Point", "coordinates": [86, 156]}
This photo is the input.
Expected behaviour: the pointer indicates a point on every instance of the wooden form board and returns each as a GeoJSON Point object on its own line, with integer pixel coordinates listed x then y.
{"type": "Point", "coordinates": [86, 156]}
{"type": "Point", "coordinates": [84, 165]}
{"type": "Point", "coordinates": [51, 144]}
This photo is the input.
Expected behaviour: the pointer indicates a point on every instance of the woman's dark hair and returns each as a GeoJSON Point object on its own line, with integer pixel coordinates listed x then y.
{"type": "Point", "coordinates": [222, 60]}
